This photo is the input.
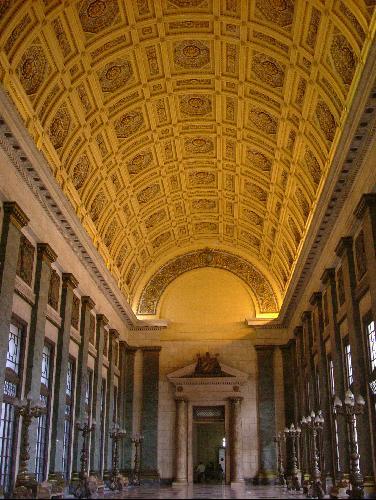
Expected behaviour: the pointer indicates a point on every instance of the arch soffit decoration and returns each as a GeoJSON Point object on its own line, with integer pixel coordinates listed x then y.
{"type": "Point", "coordinates": [265, 299]}
{"type": "Point", "coordinates": [163, 133]}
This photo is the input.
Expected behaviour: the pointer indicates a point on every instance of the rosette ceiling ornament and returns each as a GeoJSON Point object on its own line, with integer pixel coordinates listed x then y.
{"type": "Point", "coordinates": [181, 124]}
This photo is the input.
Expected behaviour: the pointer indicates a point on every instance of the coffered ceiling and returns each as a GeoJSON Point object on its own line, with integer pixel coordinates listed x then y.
{"type": "Point", "coordinates": [174, 125]}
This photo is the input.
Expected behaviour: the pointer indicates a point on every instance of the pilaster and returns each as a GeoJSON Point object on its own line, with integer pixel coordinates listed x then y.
{"type": "Point", "coordinates": [45, 257]}
{"type": "Point", "coordinates": [150, 383]}
{"type": "Point", "coordinates": [95, 459]}
{"type": "Point", "coordinates": [69, 284]}
{"type": "Point", "coordinates": [87, 304]}
{"type": "Point", "coordinates": [114, 335]}
{"type": "Point", "coordinates": [14, 220]}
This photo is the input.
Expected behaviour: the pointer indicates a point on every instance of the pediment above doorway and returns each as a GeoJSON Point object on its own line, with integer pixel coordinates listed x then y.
{"type": "Point", "coordinates": [188, 383]}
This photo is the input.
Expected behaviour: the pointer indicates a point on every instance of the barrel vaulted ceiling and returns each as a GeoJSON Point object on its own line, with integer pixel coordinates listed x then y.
{"type": "Point", "coordinates": [174, 125]}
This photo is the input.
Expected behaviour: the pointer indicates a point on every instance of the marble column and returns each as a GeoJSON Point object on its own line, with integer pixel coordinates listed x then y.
{"type": "Point", "coordinates": [45, 257]}
{"type": "Point", "coordinates": [114, 335]}
{"type": "Point", "coordinates": [69, 284]}
{"type": "Point", "coordinates": [181, 443]}
{"type": "Point", "coordinates": [126, 388]}
{"type": "Point", "coordinates": [95, 452]}
{"type": "Point", "coordinates": [14, 220]}
{"type": "Point", "coordinates": [87, 305]}
{"type": "Point", "coordinates": [149, 421]}
{"type": "Point", "coordinates": [236, 451]}
{"type": "Point", "coordinates": [266, 414]}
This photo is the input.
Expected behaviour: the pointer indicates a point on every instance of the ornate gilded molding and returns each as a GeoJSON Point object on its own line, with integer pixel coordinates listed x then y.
{"type": "Point", "coordinates": [153, 290]}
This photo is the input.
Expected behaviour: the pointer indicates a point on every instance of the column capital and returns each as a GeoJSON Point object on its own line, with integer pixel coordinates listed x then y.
{"type": "Point", "coordinates": [15, 214]}
{"type": "Point", "coordinates": [181, 399]}
{"type": "Point", "coordinates": [368, 200]}
{"type": "Point", "coordinates": [315, 298]}
{"type": "Point", "coordinates": [69, 280]}
{"type": "Point", "coordinates": [328, 275]}
{"type": "Point", "coordinates": [288, 345]}
{"type": "Point", "coordinates": [344, 244]}
{"type": "Point", "coordinates": [87, 302]}
{"type": "Point", "coordinates": [114, 333]}
{"type": "Point", "coordinates": [101, 318]}
{"type": "Point", "coordinates": [151, 348]}
{"type": "Point", "coordinates": [235, 399]}
{"type": "Point", "coordinates": [269, 347]}
{"type": "Point", "coordinates": [45, 252]}
{"type": "Point", "coordinates": [306, 316]}
{"type": "Point", "coordinates": [298, 330]}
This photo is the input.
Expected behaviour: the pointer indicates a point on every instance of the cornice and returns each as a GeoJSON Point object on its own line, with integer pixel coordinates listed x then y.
{"type": "Point", "coordinates": [15, 213]}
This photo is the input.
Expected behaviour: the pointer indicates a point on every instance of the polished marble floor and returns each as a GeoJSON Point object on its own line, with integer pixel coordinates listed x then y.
{"type": "Point", "coordinates": [204, 491]}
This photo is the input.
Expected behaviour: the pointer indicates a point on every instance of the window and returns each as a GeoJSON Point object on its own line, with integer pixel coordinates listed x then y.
{"type": "Point", "coordinates": [43, 420]}
{"type": "Point", "coordinates": [371, 335]}
{"type": "Point", "coordinates": [348, 365]}
{"type": "Point", "coordinates": [8, 422]}
{"type": "Point", "coordinates": [115, 415]}
{"type": "Point", "coordinates": [69, 393]}
{"type": "Point", "coordinates": [331, 378]}
{"type": "Point", "coordinates": [88, 394]}
{"type": "Point", "coordinates": [335, 423]}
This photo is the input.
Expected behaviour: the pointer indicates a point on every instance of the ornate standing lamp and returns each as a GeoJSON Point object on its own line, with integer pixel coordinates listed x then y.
{"type": "Point", "coordinates": [116, 479]}
{"type": "Point", "coordinates": [26, 481]}
{"type": "Point", "coordinates": [137, 439]}
{"type": "Point", "coordinates": [84, 488]}
{"type": "Point", "coordinates": [351, 407]}
{"type": "Point", "coordinates": [293, 434]}
{"type": "Point", "coordinates": [279, 438]}
{"type": "Point", "coordinates": [314, 423]}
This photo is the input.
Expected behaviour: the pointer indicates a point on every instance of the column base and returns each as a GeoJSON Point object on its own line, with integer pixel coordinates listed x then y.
{"type": "Point", "coordinates": [237, 484]}
{"type": "Point", "coordinates": [179, 484]}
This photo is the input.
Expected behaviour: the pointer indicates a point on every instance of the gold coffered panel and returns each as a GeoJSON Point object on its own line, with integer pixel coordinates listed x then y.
{"type": "Point", "coordinates": [180, 124]}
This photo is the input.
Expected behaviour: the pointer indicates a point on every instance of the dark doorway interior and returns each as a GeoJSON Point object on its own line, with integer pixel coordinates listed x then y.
{"type": "Point", "coordinates": [209, 445]}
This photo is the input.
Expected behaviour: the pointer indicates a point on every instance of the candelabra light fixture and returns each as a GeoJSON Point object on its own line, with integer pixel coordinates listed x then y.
{"type": "Point", "coordinates": [279, 439]}
{"type": "Point", "coordinates": [350, 408]}
{"type": "Point", "coordinates": [84, 488]}
{"type": "Point", "coordinates": [292, 433]}
{"type": "Point", "coordinates": [137, 439]}
{"type": "Point", "coordinates": [116, 480]}
{"type": "Point", "coordinates": [28, 409]}
{"type": "Point", "coordinates": [314, 423]}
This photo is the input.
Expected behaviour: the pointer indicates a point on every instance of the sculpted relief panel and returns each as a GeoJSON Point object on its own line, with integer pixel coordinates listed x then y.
{"type": "Point", "coordinates": [148, 135]}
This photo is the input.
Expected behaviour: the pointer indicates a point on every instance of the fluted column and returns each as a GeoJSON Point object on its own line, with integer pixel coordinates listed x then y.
{"type": "Point", "coordinates": [236, 458]}
{"type": "Point", "coordinates": [62, 357]}
{"type": "Point", "coordinates": [87, 305]}
{"type": "Point", "coordinates": [13, 221]}
{"type": "Point", "coordinates": [181, 443]}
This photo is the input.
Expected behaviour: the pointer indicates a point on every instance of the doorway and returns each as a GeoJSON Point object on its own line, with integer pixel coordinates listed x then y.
{"type": "Point", "coordinates": [209, 444]}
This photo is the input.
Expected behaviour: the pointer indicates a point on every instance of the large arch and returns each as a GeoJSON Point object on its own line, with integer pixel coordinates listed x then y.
{"type": "Point", "coordinates": [266, 300]}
